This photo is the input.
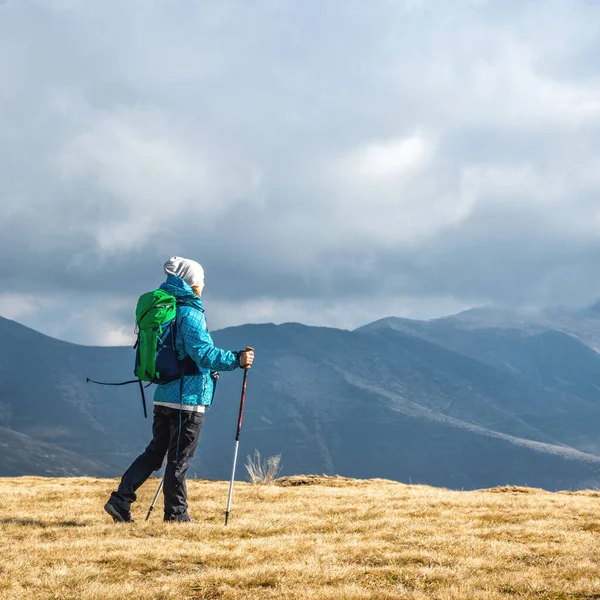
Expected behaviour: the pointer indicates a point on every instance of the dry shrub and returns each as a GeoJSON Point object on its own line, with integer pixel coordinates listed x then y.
{"type": "Point", "coordinates": [261, 473]}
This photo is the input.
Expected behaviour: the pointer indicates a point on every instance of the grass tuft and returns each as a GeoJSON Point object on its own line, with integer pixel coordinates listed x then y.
{"type": "Point", "coordinates": [262, 473]}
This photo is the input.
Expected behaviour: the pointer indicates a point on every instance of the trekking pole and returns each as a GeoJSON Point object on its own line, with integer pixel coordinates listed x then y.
{"type": "Point", "coordinates": [155, 498]}
{"type": "Point", "coordinates": [237, 438]}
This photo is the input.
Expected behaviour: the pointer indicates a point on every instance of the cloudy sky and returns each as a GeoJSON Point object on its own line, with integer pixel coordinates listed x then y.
{"type": "Point", "coordinates": [328, 162]}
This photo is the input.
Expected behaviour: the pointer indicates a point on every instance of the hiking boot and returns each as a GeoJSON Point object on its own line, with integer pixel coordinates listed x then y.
{"type": "Point", "coordinates": [119, 515]}
{"type": "Point", "coordinates": [185, 518]}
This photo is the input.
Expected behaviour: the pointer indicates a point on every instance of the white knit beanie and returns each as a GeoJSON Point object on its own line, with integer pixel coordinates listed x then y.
{"type": "Point", "coordinates": [189, 270]}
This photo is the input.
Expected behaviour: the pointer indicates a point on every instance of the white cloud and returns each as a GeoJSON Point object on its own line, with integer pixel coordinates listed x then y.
{"type": "Point", "coordinates": [393, 158]}
{"type": "Point", "coordinates": [117, 337]}
{"type": "Point", "coordinates": [506, 184]}
{"type": "Point", "coordinates": [387, 192]}
{"type": "Point", "coordinates": [510, 86]}
{"type": "Point", "coordinates": [17, 306]}
{"type": "Point", "coordinates": [156, 175]}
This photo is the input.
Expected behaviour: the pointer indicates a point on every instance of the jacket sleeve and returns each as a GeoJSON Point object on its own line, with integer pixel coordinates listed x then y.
{"type": "Point", "coordinates": [198, 343]}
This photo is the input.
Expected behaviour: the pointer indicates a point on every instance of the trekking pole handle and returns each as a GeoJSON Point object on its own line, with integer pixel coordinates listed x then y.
{"type": "Point", "coordinates": [248, 349]}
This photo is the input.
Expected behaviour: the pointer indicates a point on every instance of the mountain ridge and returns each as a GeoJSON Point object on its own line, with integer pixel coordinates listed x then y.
{"type": "Point", "coordinates": [362, 403]}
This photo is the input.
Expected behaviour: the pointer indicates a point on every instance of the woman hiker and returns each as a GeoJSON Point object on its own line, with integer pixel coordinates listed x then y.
{"type": "Point", "coordinates": [178, 412]}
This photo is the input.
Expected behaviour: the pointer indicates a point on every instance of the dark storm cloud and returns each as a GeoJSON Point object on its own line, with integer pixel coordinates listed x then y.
{"type": "Point", "coordinates": [327, 162]}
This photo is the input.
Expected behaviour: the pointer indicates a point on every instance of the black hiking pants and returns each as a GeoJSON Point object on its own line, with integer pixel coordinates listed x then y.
{"type": "Point", "coordinates": [176, 434]}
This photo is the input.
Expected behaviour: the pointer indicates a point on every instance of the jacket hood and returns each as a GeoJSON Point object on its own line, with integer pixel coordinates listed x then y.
{"type": "Point", "coordinates": [181, 290]}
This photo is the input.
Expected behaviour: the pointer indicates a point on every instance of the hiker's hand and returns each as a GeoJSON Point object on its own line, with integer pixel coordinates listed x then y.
{"type": "Point", "coordinates": [246, 359]}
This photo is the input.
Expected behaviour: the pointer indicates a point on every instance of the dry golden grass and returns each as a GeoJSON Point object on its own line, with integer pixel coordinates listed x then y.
{"type": "Point", "coordinates": [340, 539]}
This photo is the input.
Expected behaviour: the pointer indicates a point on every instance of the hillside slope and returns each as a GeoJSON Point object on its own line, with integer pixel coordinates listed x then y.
{"type": "Point", "coordinates": [360, 404]}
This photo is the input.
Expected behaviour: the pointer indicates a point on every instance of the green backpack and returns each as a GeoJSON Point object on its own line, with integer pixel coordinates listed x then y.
{"type": "Point", "coordinates": [156, 356]}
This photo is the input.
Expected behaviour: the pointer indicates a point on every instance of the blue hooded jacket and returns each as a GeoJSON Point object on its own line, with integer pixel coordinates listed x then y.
{"type": "Point", "coordinates": [193, 340]}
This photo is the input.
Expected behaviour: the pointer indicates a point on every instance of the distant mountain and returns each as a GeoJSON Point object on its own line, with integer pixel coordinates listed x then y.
{"type": "Point", "coordinates": [554, 349]}
{"type": "Point", "coordinates": [453, 402]}
{"type": "Point", "coordinates": [583, 323]}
